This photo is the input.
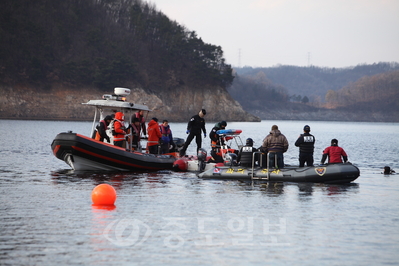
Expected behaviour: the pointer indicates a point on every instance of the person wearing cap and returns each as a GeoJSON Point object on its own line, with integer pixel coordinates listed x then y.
{"type": "Point", "coordinates": [101, 129]}
{"type": "Point", "coordinates": [154, 135]}
{"type": "Point", "coordinates": [119, 130]}
{"type": "Point", "coordinates": [216, 143]}
{"type": "Point", "coordinates": [194, 127]}
{"type": "Point", "coordinates": [305, 142]}
{"type": "Point", "coordinates": [245, 154]}
{"type": "Point", "coordinates": [275, 144]}
{"type": "Point", "coordinates": [334, 153]}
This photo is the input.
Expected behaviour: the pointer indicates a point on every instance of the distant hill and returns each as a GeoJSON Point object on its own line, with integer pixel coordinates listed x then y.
{"type": "Point", "coordinates": [350, 94]}
{"type": "Point", "coordinates": [314, 82]}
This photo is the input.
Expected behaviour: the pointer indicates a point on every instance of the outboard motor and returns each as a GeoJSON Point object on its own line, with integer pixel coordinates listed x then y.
{"type": "Point", "coordinates": [179, 142]}
{"type": "Point", "coordinates": [201, 159]}
{"type": "Point", "coordinates": [230, 159]}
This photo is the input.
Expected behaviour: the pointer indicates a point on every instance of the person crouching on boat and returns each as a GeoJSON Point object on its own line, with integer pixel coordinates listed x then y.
{"type": "Point", "coordinates": [101, 132]}
{"type": "Point", "coordinates": [334, 153]}
{"type": "Point", "coordinates": [216, 143]}
{"type": "Point", "coordinates": [154, 136]}
{"type": "Point", "coordinates": [245, 154]}
{"type": "Point", "coordinates": [119, 130]}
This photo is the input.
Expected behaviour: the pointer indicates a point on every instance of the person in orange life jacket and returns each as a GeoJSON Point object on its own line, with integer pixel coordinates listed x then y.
{"type": "Point", "coordinates": [119, 129]}
{"type": "Point", "coordinates": [154, 135]}
{"type": "Point", "coordinates": [135, 126]}
{"type": "Point", "coordinates": [216, 143]}
{"type": "Point", "coordinates": [140, 116]}
{"type": "Point", "coordinates": [101, 132]}
{"type": "Point", "coordinates": [334, 153]}
{"type": "Point", "coordinates": [194, 127]}
{"type": "Point", "coordinates": [305, 142]}
{"type": "Point", "coordinates": [167, 138]}
{"type": "Point", "coordinates": [275, 144]}
{"type": "Point", "coordinates": [245, 154]}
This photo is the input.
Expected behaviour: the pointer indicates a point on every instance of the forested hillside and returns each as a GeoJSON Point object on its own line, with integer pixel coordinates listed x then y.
{"type": "Point", "coordinates": [103, 43]}
{"type": "Point", "coordinates": [378, 92]}
{"type": "Point", "coordinates": [60, 50]}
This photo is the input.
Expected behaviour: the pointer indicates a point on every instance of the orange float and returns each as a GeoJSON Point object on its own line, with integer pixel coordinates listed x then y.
{"type": "Point", "coordinates": [103, 194]}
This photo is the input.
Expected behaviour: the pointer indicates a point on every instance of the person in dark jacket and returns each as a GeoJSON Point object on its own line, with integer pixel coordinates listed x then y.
{"type": "Point", "coordinates": [305, 142]}
{"type": "Point", "coordinates": [275, 144]}
{"type": "Point", "coordinates": [101, 133]}
{"type": "Point", "coordinates": [194, 127]}
{"type": "Point", "coordinates": [135, 127]}
{"type": "Point", "coordinates": [245, 154]}
{"type": "Point", "coordinates": [215, 142]}
{"type": "Point", "coordinates": [334, 153]}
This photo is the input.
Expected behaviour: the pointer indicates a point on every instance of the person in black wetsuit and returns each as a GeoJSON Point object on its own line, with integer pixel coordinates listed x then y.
{"type": "Point", "coordinates": [305, 142]}
{"type": "Point", "coordinates": [245, 154]}
{"type": "Point", "coordinates": [194, 127]}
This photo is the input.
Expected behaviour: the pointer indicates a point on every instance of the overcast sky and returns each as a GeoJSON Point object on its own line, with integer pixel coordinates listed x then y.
{"type": "Point", "coordinates": [262, 33]}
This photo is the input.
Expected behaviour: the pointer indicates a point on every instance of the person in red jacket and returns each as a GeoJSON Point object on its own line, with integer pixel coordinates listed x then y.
{"type": "Point", "coordinates": [154, 135]}
{"type": "Point", "coordinates": [119, 131]}
{"type": "Point", "coordinates": [334, 153]}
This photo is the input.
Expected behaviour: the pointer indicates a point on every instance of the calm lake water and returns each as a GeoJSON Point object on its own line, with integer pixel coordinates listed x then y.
{"type": "Point", "coordinates": [167, 218]}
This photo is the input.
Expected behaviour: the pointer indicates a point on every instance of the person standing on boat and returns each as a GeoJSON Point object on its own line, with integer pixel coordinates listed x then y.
{"type": "Point", "coordinates": [135, 126]}
{"type": "Point", "coordinates": [194, 127]}
{"type": "Point", "coordinates": [167, 138]}
{"type": "Point", "coordinates": [119, 130]}
{"type": "Point", "coordinates": [101, 132]}
{"type": "Point", "coordinates": [154, 136]}
{"type": "Point", "coordinates": [245, 155]}
{"type": "Point", "coordinates": [334, 153]}
{"type": "Point", "coordinates": [140, 116]}
{"type": "Point", "coordinates": [215, 142]}
{"type": "Point", "coordinates": [275, 144]}
{"type": "Point", "coordinates": [305, 142]}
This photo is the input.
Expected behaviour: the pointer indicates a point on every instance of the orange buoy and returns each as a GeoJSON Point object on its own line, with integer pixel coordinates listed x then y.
{"type": "Point", "coordinates": [103, 194]}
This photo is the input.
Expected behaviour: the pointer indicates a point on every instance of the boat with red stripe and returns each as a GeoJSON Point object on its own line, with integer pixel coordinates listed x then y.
{"type": "Point", "coordinates": [85, 153]}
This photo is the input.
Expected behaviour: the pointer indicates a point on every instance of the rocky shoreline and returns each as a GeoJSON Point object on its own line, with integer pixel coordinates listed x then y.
{"type": "Point", "coordinates": [64, 104]}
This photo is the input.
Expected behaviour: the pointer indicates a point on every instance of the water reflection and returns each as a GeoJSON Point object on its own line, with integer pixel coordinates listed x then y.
{"type": "Point", "coordinates": [272, 189]}
{"type": "Point", "coordinates": [334, 190]}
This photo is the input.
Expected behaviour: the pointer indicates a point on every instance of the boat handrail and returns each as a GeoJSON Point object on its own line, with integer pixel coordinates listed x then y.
{"type": "Point", "coordinates": [253, 163]}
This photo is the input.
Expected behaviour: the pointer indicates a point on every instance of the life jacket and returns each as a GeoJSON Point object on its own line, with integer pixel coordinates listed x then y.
{"type": "Point", "coordinates": [118, 127]}
{"type": "Point", "coordinates": [165, 132]}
